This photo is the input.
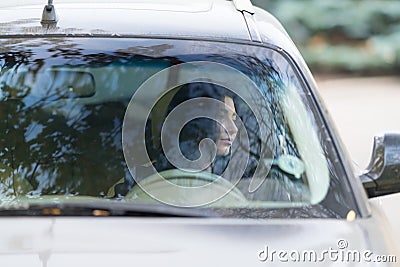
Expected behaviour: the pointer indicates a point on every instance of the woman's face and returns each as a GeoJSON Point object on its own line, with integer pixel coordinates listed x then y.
{"type": "Point", "coordinates": [227, 131]}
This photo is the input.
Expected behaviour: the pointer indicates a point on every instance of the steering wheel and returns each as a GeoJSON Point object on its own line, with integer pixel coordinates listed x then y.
{"type": "Point", "coordinates": [187, 189]}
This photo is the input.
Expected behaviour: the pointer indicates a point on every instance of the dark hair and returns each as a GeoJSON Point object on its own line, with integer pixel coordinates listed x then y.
{"type": "Point", "coordinates": [197, 129]}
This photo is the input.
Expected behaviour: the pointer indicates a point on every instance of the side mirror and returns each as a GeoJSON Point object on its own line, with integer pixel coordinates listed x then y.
{"type": "Point", "coordinates": [382, 175]}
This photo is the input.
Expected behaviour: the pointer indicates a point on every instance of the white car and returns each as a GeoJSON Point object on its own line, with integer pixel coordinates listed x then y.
{"type": "Point", "coordinates": [176, 133]}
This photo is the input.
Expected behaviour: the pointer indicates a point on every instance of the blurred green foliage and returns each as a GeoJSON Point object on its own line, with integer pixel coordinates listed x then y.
{"type": "Point", "coordinates": [360, 36]}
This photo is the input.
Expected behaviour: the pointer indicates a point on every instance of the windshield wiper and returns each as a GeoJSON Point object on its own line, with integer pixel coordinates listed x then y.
{"type": "Point", "coordinates": [103, 208]}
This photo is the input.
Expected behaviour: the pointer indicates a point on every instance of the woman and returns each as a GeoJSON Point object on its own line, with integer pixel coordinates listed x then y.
{"type": "Point", "coordinates": [207, 120]}
{"type": "Point", "coordinates": [165, 153]}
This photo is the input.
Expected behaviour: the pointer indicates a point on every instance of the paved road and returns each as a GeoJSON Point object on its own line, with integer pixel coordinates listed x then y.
{"type": "Point", "coordinates": [362, 108]}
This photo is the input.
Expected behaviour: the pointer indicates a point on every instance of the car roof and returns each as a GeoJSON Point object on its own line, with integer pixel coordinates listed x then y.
{"type": "Point", "coordinates": [205, 18]}
{"type": "Point", "coordinates": [227, 20]}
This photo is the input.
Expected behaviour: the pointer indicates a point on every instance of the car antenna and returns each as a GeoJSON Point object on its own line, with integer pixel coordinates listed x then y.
{"type": "Point", "coordinates": [49, 16]}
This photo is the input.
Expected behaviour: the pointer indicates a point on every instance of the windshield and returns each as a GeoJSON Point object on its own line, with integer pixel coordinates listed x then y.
{"type": "Point", "coordinates": [191, 124]}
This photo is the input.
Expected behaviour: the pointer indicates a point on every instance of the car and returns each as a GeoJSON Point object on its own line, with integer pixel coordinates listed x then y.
{"type": "Point", "coordinates": [177, 133]}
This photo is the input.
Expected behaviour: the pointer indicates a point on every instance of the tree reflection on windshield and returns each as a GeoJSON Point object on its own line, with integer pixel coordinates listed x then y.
{"type": "Point", "coordinates": [67, 139]}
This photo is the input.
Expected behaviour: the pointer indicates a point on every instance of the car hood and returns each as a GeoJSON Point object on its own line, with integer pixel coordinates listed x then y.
{"type": "Point", "coordinates": [83, 241]}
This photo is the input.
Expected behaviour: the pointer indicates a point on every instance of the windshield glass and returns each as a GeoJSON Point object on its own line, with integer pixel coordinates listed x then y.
{"type": "Point", "coordinates": [180, 123]}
